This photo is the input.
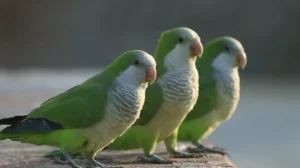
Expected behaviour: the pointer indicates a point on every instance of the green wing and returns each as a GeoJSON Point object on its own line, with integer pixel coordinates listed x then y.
{"type": "Point", "coordinates": [154, 99]}
{"type": "Point", "coordinates": [79, 107]}
{"type": "Point", "coordinates": [207, 99]}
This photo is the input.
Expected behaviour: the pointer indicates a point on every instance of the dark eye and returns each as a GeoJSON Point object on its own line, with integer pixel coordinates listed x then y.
{"type": "Point", "coordinates": [180, 39]}
{"type": "Point", "coordinates": [135, 62]}
{"type": "Point", "coordinates": [226, 48]}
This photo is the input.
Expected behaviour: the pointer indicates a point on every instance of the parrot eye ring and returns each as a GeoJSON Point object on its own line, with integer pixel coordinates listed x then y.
{"type": "Point", "coordinates": [180, 39]}
{"type": "Point", "coordinates": [135, 62]}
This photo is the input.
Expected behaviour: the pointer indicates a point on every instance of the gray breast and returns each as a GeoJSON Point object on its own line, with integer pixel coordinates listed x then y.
{"type": "Point", "coordinates": [228, 84]}
{"type": "Point", "coordinates": [180, 88]}
{"type": "Point", "coordinates": [228, 88]}
{"type": "Point", "coordinates": [126, 102]}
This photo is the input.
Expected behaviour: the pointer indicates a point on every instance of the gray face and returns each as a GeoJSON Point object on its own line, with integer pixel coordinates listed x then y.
{"type": "Point", "coordinates": [232, 45]}
{"type": "Point", "coordinates": [187, 36]}
{"type": "Point", "coordinates": [144, 60]}
{"type": "Point", "coordinates": [140, 72]}
{"type": "Point", "coordinates": [232, 55]}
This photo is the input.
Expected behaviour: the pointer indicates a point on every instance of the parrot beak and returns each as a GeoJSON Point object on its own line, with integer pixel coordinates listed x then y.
{"type": "Point", "coordinates": [150, 75]}
{"type": "Point", "coordinates": [241, 59]}
{"type": "Point", "coordinates": [196, 48]}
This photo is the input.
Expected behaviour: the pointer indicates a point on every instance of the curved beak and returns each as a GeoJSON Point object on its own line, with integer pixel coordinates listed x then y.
{"type": "Point", "coordinates": [150, 75]}
{"type": "Point", "coordinates": [241, 59]}
{"type": "Point", "coordinates": [196, 48]}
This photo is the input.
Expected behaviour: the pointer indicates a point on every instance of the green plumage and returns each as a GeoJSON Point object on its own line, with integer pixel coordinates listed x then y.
{"type": "Point", "coordinates": [176, 87]}
{"type": "Point", "coordinates": [70, 119]}
{"type": "Point", "coordinates": [147, 131]}
{"type": "Point", "coordinates": [83, 105]}
{"type": "Point", "coordinates": [218, 91]}
{"type": "Point", "coordinates": [155, 96]}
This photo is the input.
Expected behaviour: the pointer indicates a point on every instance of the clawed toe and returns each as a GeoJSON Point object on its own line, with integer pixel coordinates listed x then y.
{"type": "Point", "coordinates": [217, 150]}
{"type": "Point", "coordinates": [185, 155]}
{"type": "Point", "coordinates": [61, 161]}
{"type": "Point", "coordinates": [154, 159]}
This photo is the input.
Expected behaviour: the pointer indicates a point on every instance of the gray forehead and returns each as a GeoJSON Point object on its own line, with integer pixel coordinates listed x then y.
{"type": "Point", "coordinates": [188, 33]}
{"type": "Point", "coordinates": [234, 43]}
{"type": "Point", "coordinates": [146, 58]}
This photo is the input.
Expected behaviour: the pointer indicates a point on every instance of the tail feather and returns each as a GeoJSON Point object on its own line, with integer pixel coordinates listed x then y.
{"type": "Point", "coordinates": [32, 125]}
{"type": "Point", "coordinates": [12, 120]}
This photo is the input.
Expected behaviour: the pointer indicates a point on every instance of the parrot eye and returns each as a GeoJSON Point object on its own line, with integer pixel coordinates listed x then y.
{"type": "Point", "coordinates": [135, 62]}
{"type": "Point", "coordinates": [180, 39]}
{"type": "Point", "coordinates": [226, 48]}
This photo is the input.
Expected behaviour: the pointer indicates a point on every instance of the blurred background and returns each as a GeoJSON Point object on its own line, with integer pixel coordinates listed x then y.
{"type": "Point", "coordinates": [48, 46]}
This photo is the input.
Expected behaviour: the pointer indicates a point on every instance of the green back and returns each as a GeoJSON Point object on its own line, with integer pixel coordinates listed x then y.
{"type": "Point", "coordinates": [84, 104]}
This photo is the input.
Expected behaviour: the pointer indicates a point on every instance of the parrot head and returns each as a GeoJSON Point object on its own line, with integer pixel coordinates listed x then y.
{"type": "Point", "coordinates": [134, 68]}
{"type": "Point", "coordinates": [225, 53]}
{"type": "Point", "coordinates": [177, 48]}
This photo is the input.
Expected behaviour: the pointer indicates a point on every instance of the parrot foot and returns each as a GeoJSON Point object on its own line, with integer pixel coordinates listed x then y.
{"type": "Point", "coordinates": [61, 161]}
{"type": "Point", "coordinates": [177, 154]}
{"type": "Point", "coordinates": [218, 148]}
{"type": "Point", "coordinates": [66, 161]}
{"type": "Point", "coordinates": [59, 153]}
{"type": "Point", "coordinates": [203, 149]}
{"type": "Point", "coordinates": [154, 159]}
{"type": "Point", "coordinates": [95, 164]}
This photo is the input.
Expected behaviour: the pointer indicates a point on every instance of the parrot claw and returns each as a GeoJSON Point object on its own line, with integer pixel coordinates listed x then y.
{"type": "Point", "coordinates": [61, 161]}
{"type": "Point", "coordinates": [154, 159]}
{"type": "Point", "coordinates": [178, 154]}
{"type": "Point", "coordinates": [202, 149]}
{"type": "Point", "coordinates": [59, 153]}
{"type": "Point", "coordinates": [96, 164]}
{"type": "Point", "coordinates": [218, 148]}
{"type": "Point", "coordinates": [67, 160]}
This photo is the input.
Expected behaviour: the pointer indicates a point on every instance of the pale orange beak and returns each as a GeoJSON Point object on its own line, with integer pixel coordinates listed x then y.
{"type": "Point", "coordinates": [241, 60]}
{"type": "Point", "coordinates": [150, 75]}
{"type": "Point", "coordinates": [196, 49]}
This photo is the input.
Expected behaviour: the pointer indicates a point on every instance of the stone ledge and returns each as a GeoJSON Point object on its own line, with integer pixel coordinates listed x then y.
{"type": "Point", "coordinates": [17, 155]}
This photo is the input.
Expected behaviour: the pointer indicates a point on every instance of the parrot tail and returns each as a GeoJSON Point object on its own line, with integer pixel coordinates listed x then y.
{"type": "Point", "coordinates": [12, 120]}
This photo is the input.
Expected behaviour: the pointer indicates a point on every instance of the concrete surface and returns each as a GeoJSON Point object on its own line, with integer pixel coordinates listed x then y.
{"type": "Point", "coordinates": [17, 155]}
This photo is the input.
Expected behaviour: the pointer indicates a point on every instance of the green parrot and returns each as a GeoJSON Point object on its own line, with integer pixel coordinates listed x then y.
{"type": "Point", "coordinates": [89, 116]}
{"type": "Point", "coordinates": [219, 91]}
{"type": "Point", "coordinates": [168, 100]}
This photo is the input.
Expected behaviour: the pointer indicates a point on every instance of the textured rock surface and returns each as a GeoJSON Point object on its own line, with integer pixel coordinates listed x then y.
{"type": "Point", "coordinates": [17, 155]}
